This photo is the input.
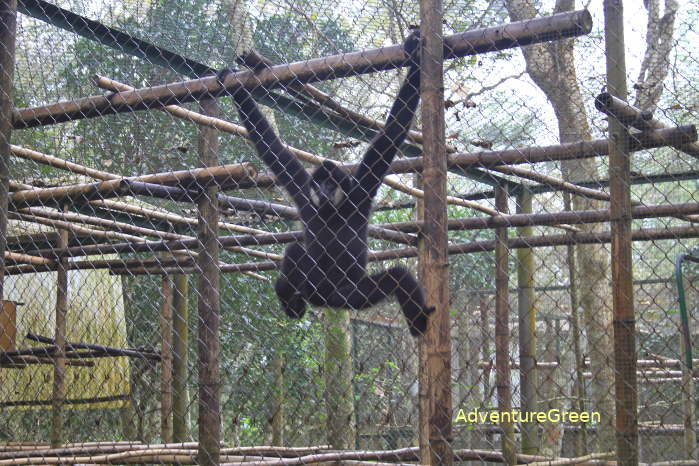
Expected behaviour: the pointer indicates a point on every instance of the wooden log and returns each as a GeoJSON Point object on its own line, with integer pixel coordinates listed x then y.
{"type": "Point", "coordinates": [101, 175]}
{"type": "Point", "coordinates": [77, 229]}
{"type": "Point", "coordinates": [74, 346]}
{"type": "Point", "coordinates": [169, 216]}
{"type": "Point", "coordinates": [557, 152]}
{"type": "Point", "coordinates": [59, 383]}
{"type": "Point", "coordinates": [208, 303]}
{"type": "Point", "coordinates": [571, 217]}
{"type": "Point", "coordinates": [526, 322]}
{"type": "Point", "coordinates": [435, 345]}
{"type": "Point", "coordinates": [629, 115]}
{"type": "Point", "coordinates": [8, 29]}
{"type": "Point", "coordinates": [180, 363]}
{"type": "Point", "coordinates": [502, 331]}
{"type": "Point", "coordinates": [166, 361]}
{"type": "Point", "coordinates": [228, 176]}
{"type": "Point", "coordinates": [484, 40]}
{"type": "Point", "coordinates": [20, 258]}
{"type": "Point", "coordinates": [653, 234]}
{"type": "Point", "coordinates": [56, 162]}
{"type": "Point", "coordinates": [624, 319]}
{"type": "Point", "coordinates": [98, 221]}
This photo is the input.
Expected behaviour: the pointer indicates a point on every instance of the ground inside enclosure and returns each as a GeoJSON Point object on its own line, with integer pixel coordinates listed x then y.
{"type": "Point", "coordinates": [366, 242]}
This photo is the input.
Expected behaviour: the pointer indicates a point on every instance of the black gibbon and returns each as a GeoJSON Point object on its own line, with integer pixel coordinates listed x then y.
{"type": "Point", "coordinates": [329, 268]}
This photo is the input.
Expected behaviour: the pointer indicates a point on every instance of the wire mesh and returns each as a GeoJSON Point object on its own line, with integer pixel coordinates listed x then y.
{"type": "Point", "coordinates": [132, 183]}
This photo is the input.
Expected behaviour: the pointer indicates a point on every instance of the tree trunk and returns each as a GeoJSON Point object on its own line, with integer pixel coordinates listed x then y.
{"type": "Point", "coordinates": [552, 67]}
{"type": "Point", "coordinates": [339, 394]}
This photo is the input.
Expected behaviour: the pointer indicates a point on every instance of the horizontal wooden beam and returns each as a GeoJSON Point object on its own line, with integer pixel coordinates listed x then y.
{"type": "Point", "coordinates": [225, 176]}
{"type": "Point", "coordinates": [629, 115]}
{"type": "Point", "coordinates": [473, 223]}
{"type": "Point", "coordinates": [649, 234]}
{"type": "Point", "coordinates": [558, 26]}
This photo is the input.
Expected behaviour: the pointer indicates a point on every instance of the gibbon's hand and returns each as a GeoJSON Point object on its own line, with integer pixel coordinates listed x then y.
{"type": "Point", "coordinates": [411, 45]}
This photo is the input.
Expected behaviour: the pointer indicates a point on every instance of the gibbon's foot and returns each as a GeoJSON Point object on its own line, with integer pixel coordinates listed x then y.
{"type": "Point", "coordinates": [223, 74]}
{"type": "Point", "coordinates": [295, 307]}
{"type": "Point", "coordinates": [418, 324]}
{"type": "Point", "coordinates": [411, 45]}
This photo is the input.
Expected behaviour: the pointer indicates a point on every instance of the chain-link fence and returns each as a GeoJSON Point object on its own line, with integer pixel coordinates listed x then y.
{"type": "Point", "coordinates": [175, 293]}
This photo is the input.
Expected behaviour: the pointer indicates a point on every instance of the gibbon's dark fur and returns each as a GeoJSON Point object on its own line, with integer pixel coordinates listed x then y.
{"type": "Point", "coordinates": [329, 268]}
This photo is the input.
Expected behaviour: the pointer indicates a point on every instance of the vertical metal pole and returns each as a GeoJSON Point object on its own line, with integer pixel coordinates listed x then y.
{"type": "Point", "coordinates": [180, 358]}
{"type": "Point", "coordinates": [208, 303]}
{"type": "Point", "coordinates": [502, 332]}
{"type": "Point", "coordinates": [8, 26]}
{"type": "Point", "coordinates": [436, 409]}
{"type": "Point", "coordinates": [622, 273]}
{"type": "Point", "coordinates": [166, 362]}
{"type": "Point", "coordinates": [59, 364]}
{"type": "Point", "coordinates": [690, 434]}
{"type": "Point", "coordinates": [527, 328]}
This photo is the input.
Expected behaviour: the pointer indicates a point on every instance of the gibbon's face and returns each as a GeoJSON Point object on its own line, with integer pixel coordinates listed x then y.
{"type": "Point", "coordinates": [326, 188]}
{"type": "Point", "coordinates": [326, 193]}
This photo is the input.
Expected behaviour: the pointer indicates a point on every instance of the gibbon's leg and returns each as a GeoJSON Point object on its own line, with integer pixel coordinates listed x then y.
{"type": "Point", "coordinates": [373, 289]}
{"type": "Point", "coordinates": [289, 286]}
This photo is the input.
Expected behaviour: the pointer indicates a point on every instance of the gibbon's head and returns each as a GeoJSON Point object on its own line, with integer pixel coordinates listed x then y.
{"type": "Point", "coordinates": [329, 186]}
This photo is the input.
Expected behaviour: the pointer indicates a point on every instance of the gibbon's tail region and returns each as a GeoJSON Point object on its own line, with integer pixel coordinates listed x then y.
{"type": "Point", "coordinates": [329, 267]}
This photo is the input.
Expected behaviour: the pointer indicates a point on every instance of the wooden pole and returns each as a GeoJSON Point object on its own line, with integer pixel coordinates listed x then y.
{"type": "Point", "coordinates": [527, 330]}
{"type": "Point", "coordinates": [436, 410]}
{"type": "Point", "coordinates": [180, 358]}
{"type": "Point", "coordinates": [502, 333]}
{"type": "Point", "coordinates": [8, 26]}
{"type": "Point", "coordinates": [59, 368]}
{"type": "Point", "coordinates": [484, 40]}
{"type": "Point", "coordinates": [338, 370]}
{"type": "Point", "coordinates": [646, 234]}
{"type": "Point", "coordinates": [209, 301]}
{"type": "Point", "coordinates": [166, 362]}
{"type": "Point", "coordinates": [622, 265]}
{"type": "Point", "coordinates": [278, 399]}
{"type": "Point", "coordinates": [629, 115]}
{"type": "Point", "coordinates": [225, 176]}
{"type": "Point", "coordinates": [576, 332]}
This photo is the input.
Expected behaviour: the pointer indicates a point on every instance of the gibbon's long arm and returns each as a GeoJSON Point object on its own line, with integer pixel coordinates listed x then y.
{"type": "Point", "coordinates": [380, 154]}
{"type": "Point", "coordinates": [288, 170]}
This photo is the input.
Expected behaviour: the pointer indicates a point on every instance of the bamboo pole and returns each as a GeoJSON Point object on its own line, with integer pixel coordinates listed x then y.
{"type": "Point", "coordinates": [484, 40]}
{"type": "Point", "coordinates": [556, 152]}
{"type": "Point", "coordinates": [180, 112]}
{"type": "Point", "coordinates": [649, 234]}
{"type": "Point", "coordinates": [74, 346]}
{"type": "Point", "coordinates": [169, 216]}
{"type": "Point", "coordinates": [209, 301]}
{"type": "Point", "coordinates": [8, 26]}
{"type": "Point", "coordinates": [526, 312]}
{"type": "Point", "coordinates": [622, 273]}
{"type": "Point", "coordinates": [59, 384]}
{"type": "Point", "coordinates": [166, 361]}
{"type": "Point", "coordinates": [150, 188]}
{"type": "Point", "coordinates": [77, 229]}
{"type": "Point", "coordinates": [502, 332]}
{"type": "Point", "coordinates": [20, 258]}
{"type": "Point", "coordinates": [226, 176]}
{"type": "Point", "coordinates": [180, 349]}
{"type": "Point", "coordinates": [435, 345]}
{"type": "Point", "coordinates": [158, 454]}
